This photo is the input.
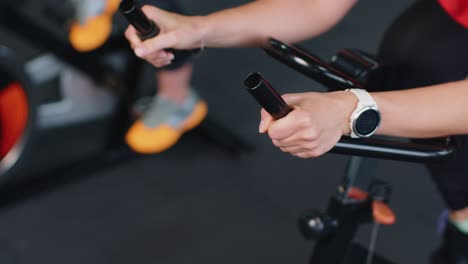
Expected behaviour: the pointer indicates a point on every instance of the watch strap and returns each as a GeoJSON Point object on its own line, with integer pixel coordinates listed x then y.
{"type": "Point", "coordinates": [365, 99]}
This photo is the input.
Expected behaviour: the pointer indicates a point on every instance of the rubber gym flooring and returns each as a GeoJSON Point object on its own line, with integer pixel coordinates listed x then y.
{"type": "Point", "coordinates": [198, 204]}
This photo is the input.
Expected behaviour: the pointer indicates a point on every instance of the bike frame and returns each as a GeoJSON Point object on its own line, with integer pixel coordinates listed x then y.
{"type": "Point", "coordinates": [351, 205]}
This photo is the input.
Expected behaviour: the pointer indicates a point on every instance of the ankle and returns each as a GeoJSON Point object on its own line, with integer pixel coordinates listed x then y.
{"type": "Point", "coordinates": [459, 219]}
{"type": "Point", "coordinates": [462, 226]}
{"type": "Point", "coordinates": [179, 96]}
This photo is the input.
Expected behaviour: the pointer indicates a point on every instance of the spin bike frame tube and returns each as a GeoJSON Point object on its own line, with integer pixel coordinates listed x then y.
{"type": "Point", "coordinates": [310, 65]}
{"type": "Point", "coordinates": [345, 213]}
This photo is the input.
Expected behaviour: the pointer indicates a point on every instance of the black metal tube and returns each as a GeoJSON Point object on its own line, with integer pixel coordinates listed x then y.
{"type": "Point", "coordinates": [333, 249]}
{"type": "Point", "coordinates": [266, 95]}
{"type": "Point", "coordinates": [394, 150]}
{"type": "Point", "coordinates": [135, 16]}
{"type": "Point", "coordinates": [310, 65]}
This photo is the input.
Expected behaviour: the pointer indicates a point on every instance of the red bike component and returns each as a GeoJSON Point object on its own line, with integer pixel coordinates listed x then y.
{"type": "Point", "coordinates": [357, 194]}
{"type": "Point", "coordinates": [14, 110]}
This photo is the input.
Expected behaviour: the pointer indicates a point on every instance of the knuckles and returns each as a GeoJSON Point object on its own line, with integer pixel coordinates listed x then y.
{"type": "Point", "coordinates": [276, 143]}
{"type": "Point", "coordinates": [309, 135]}
{"type": "Point", "coordinates": [274, 135]}
{"type": "Point", "coordinates": [311, 145]}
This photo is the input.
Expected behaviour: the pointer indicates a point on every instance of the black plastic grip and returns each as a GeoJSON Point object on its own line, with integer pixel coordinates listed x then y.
{"type": "Point", "coordinates": [146, 28]}
{"type": "Point", "coordinates": [266, 95]}
{"type": "Point", "coordinates": [135, 16]}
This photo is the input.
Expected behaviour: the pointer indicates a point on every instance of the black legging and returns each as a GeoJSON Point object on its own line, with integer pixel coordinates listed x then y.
{"type": "Point", "coordinates": [425, 46]}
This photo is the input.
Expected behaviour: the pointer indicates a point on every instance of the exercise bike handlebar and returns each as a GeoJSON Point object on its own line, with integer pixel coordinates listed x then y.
{"type": "Point", "coordinates": [310, 65]}
{"type": "Point", "coordinates": [266, 95]}
{"type": "Point", "coordinates": [271, 101]}
{"type": "Point", "coordinates": [146, 27]}
{"type": "Point", "coordinates": [135, 16]}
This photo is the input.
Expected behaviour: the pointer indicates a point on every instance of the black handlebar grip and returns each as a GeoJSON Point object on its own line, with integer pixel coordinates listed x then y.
{"type": "Point", "coordinates": [266, 95]}
{"type": "Point", "coordinates": [135, 16]}
{"type": "Point", "coordinates": [146, 28]}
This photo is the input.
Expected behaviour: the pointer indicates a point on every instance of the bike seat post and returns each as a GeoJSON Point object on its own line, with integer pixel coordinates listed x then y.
{"type": "Point", "coordinates": [347, 210]}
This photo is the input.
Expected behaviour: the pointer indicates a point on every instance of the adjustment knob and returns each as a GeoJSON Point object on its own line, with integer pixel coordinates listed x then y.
{"type": "Point", "coordinates": [316, 225]}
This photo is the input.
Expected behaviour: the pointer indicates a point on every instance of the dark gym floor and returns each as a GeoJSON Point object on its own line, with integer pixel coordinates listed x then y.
{"type": "Point", "coordinates": [198, 204]}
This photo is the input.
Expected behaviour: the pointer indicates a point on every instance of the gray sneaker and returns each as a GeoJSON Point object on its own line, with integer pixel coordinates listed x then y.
{"type": "Point", "coordinates": [163, 122]}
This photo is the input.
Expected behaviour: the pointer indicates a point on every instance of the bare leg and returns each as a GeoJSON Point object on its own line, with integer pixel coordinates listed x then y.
{"type": "Point", "coordinates": [175, 84]}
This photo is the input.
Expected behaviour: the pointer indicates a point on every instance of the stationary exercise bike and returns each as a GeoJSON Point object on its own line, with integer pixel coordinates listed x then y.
{"type": "Point", "coordinates": [68, 110]}
{"type": "Point", "coordinates": [359, 198]}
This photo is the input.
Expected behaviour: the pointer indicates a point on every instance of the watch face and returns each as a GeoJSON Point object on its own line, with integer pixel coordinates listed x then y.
{"type": "Point", "coordinates": [367, 122]}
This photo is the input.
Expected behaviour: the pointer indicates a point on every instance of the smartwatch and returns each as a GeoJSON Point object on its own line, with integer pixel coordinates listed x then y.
{"type": "Point", "coordinates": [366, 118]}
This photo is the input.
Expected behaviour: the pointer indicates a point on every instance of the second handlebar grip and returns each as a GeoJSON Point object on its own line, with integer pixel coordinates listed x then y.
{"type": "Point", "coordinates": [266, 95]}
{"type": "Point", "coordinates": [146, 27]}
{"type": "Point", "coordinates": [135, 16]}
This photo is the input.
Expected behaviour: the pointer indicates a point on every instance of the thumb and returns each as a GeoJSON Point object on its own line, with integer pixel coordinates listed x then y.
{"type": "Point", "coordinates": [293, 99]}
{"type": "Point", "coordinates": [265, 121]}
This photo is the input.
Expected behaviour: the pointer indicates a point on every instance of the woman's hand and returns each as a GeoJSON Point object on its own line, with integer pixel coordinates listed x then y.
{"type": "Point", "coordinates": [314, 126]}
{"type": "Point", "coordinates": [177, 31]}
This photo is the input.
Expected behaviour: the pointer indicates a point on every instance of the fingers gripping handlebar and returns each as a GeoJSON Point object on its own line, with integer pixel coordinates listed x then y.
{"type": "Point", "coordinates": [145, 27]}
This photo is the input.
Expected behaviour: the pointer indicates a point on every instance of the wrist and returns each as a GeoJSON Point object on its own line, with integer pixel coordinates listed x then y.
{"type": "Point", "coordinates": [201, 30]}
{"type": "Point", "coordinates": [346, 103]}
{"type": "Point", "coordinates": [381, 102]}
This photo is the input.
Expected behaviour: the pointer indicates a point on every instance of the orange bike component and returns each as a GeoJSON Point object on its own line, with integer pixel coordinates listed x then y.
{"type": "Point", "coordinates": [382, 213]}
{"type": "Point", "coordinates": [357, 194]}
{"type": "Point", "coordinates": [13, 116]}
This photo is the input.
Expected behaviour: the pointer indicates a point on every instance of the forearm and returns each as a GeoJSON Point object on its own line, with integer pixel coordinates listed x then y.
{"type": "Point", "coordinates": [288, 20]}
{"type": "Point", "coordinates": [434, 111]}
